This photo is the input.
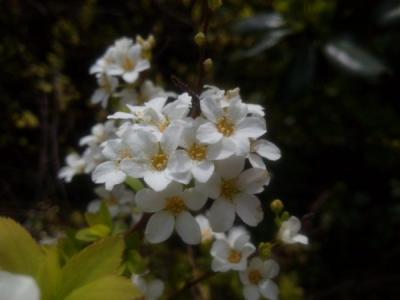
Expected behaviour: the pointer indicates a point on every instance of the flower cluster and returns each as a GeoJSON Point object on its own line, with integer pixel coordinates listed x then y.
{"type": "Point", "coordinates": [199, 160]}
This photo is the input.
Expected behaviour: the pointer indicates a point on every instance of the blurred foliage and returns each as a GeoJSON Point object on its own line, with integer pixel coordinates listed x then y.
{"type": "Point", "coordinates": [326, 71]}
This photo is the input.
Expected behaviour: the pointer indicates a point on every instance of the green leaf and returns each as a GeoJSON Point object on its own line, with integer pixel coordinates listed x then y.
{"type": "Point", "coordinates": [101, 217]}
{"type": "Point", "coordinates": [19, 252]}
{"type": "Point", "coordinates": [353, 59]}
{"type": "Point", "coordinates": [49, 274]}
{"type": "Point", "coordinates": [106, 288]}
{"type": "Point", "coordinates": [95, 261]}
{"type": "Point", "coordinates": [134, 184]}
{"type": "Point", "coordinates": [261, 22]}
{"type": "Point", "coordinates": [93, 233]}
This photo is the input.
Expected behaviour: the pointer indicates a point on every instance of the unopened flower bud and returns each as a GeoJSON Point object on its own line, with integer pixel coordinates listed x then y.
{"type": "Point", "coordinates": [265, 250]}
{"type": "Point", "coordinates": [276, 206]}
{"type": "Point", "coordinates": [200, 39]}
{"type": "Point", "coordinates": [285, 216]}
{"type": "Point", "coordinates": [208, 64]}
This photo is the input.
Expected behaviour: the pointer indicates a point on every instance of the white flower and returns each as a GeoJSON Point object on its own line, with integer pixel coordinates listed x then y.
{"type": "Point", "coordinates": [289, 232]}
{"type": "Point", "coordinates": [233, 191]}
{"type": "Point", "coordinates": [262, 148]}
{"type": "Point", "coordinates": [229, 128]}
{"type": "Point", "coordinates": [107, 85]}
{"type": "Point", "coordinates": [151, 289]}
{"type": "Point", "coordinates": [231, 253]}
{"type": "Point", "coordinates": [155, 115]}
{"type": "Point", "coordinates": [99, 133]}
{"type": "Point", "coordinates": [152, 157]}
{"type": "Point", "coordinates": [128, 61]}
{"type": "Point", "coordinates": [196, 159]}
{"type": "Point", "coordinates": [104, 62]}
{"type": "Point", "coordinates": [75, 165]}
{"type": "Point", "coordinates": [171, 210]}
{"type": "Point", "coordinates": [257, 279]}
{"type": "Point", "coordinates": [120, 201]}
{"type": "Point", "coordinates": [18, 287]}
{"type": "Point", "coordinates": [207, 234]}
{"type": "Point", "coordinates": [118, 153]}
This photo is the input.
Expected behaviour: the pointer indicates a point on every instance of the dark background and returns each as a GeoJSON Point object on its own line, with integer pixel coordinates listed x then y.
{"type": "Point", "coordinates": [328, 77]}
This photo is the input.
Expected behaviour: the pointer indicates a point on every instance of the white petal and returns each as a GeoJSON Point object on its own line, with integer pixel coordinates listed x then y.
{"type": "Point", "coordinates": [133, 168]}
{"type": "Point", "coordinates": [250, 292]}
{"type": "Point", "coordinates": [267, 149]}
{"type": "Point", "coordinates": [171, 137]}
{"type": "Point", "coordinates": [270, 268]}
{"type": "Point", "coordinates": [256, 109]}
{"type": "Point", "coordinates": [155, 288]}
{"type": "Point", "coordinates": [256, 161]}
{"type": "Point", "coordinates": [242, 145]}
{"type": "Point", "coordinates": [244, 277]}
{"type": "Point", "coordinates": [203, 171]}
{"type": "Point", "coordinates": [179, 162]}
{"type": "Point", "coordinates": [211, 109]}
{"type": "Point", "coordinates": [159, 227]}
{"type": "Point", "coordinates": [220, 248]}
{"type": "Point", "coordinates": [208, 134]}
{"type": "Point", "coordinates": [251, 127]}
{"type": "Point", "coordinates": [157, 180]}
{"type": "Point", "coordinates": [252, 181]}
{"type": "Point", "coordinates": [142, 65]}
{"type": "Point", "coordinates": [157, 103]}
{"type": "Point", "coordinates": [218, 265]}
{"type": "Point", "coordinates": [121, 115]}
{"type": "Point", "coordinates": [188, 229]}
{"type": "Point", "coordinates": [221, 215]}
{"type": "Point", "coordinates": [230, 167]}
{"type": "Point", "coordinates": [300, 238]}
{"type": "Point", "coordinates": [237, 111]}
{"type": "Point", "coordinates": [18, 287]}
{"type": "Point", "coordinates": [131, 77]}
{"type": "Point", "coordinates": [149, 201]}
{"type": "Point", "coordinates": [194, 199]}
{"type": "Point", "coordinates": [179, 108]}
{"type": "Point", "coordinates": [108, 173]}
{"type": "Point", "coordinates": [269, 289]}
{"type": "Point", "coordinates": [211, 188]}
{"type": "Point", "coordinates": [223, 149]}
{"type": "Point", "coordinates": [256, 263]}
{"type": "Point", "coordinates": [248, 208]}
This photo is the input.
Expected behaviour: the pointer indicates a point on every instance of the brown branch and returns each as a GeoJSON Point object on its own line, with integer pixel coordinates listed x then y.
{"type": "Point", "coordinates": [192, 283]}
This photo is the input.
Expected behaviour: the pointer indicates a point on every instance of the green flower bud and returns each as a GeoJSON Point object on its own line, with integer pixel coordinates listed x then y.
{"type": "Point", "coordinates": [200, 39]}
{"type": "Point", "coordinates": [208, 65]}
{"type": "Point", "coordinates": [265, 250]}
{"type": "Point", "coordinates": [276, 206]}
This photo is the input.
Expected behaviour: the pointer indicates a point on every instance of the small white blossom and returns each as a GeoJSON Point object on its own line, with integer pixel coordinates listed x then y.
{"type": "Point", "coordinates": [151, 289]}
{"type": "Point", "coordinates": [120, 201]}
{"type": "Point", "coordinates": [232, 252]}
{"type": "Point", "coordinates": [99, 133]}
{"type": "Point", "coordinates": [262, 148]}
{"type": "Point", "coordinates": [171, 210]}
{"type": "Point", "coordinates": [75, 165]}
{"type": "Point", "coordinates": [18, 287]}
{"type": "Point", "coordinates": [289, 232]}
{"type": "Point", "coordinates": [107, 85]}
{"type": "Point", "coordinates": [233, 190]}
{"type": "Point", "coordinates": [229, 128]}
{"type": "Point", "coordinates": [207, 234]}
{"type": "Point", "coordinates": [257, 279]}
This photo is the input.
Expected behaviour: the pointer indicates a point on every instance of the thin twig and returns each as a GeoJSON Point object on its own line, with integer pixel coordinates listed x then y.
{"type": "Point", "coordinates": [192, 283]}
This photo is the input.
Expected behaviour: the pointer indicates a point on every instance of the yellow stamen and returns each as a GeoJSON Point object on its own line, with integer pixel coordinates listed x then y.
{"type": "Point", "coordinates": [234, 256]}
{"type": "Point", "coordinates": [128, 64]}
{"type": "Point", "coordinates": [125, 154]}
{"type": "Point", "coordinates": [159, 161]}
{"type": "Point", "coordinates": [225, 126]}
{"type": "Point", "coordinates": [255, 276]}
{"type": "Point", "coordinates": [175, 205]}
{"type": "Point", "coordinates": [228, 188]}
{"type": "Point", "coordinates": [197, 152]}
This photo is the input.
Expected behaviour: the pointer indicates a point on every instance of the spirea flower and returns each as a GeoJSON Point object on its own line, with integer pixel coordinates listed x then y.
{"type": "Point", "coordinates": [151, 289]}
{"type": "Point", "coordinates": [171, 211]}
{"type": "Point", "coordinates": [257, 279]}
{"type": "Point", "coordinates": [232, 252]}
{"type": "Point", "coordinates": [289, 232]}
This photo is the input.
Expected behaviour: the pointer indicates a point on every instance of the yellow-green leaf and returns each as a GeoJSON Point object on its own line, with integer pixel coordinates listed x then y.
{"type": "Point", "coordinates": [49, 275]}
{"type": "Point", "coordinates": [95, 261]}
{"type": "Point", "coordinates": [19, 252]}
{"type": "Point", "coordinates": [101, 217]}
{"type": "Point", "coordinates": [93, 233]}
{"type": "Point", "coordinates": [106, 288]}
{"type": "Point", "coordinates": [134, 183]}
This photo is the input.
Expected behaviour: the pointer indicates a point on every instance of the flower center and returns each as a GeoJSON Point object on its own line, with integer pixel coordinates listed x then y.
{"type": "Point", "coordinates": [255, 276]}
{"type": "Point", "coordinates": [228, 188]}
{"type": "Point", "coordinates": [234, 256]}
{"type": "Point", "coordinates": [125, 154]}
{"type": "Point", "coordinates": [197, 152]}
{"type": "Point", "coordinates": [163, 125]}
{"type": "Point", "coordinates": [112, 200]}
{"type": "Point", "coordinates": [159, 161]}
{"type": "Point", "coordinates": [175, 205]}
{"type": "Point", "coordinates": [225, 127]}
{"type": "Point", "coordinates": [128, 64]}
